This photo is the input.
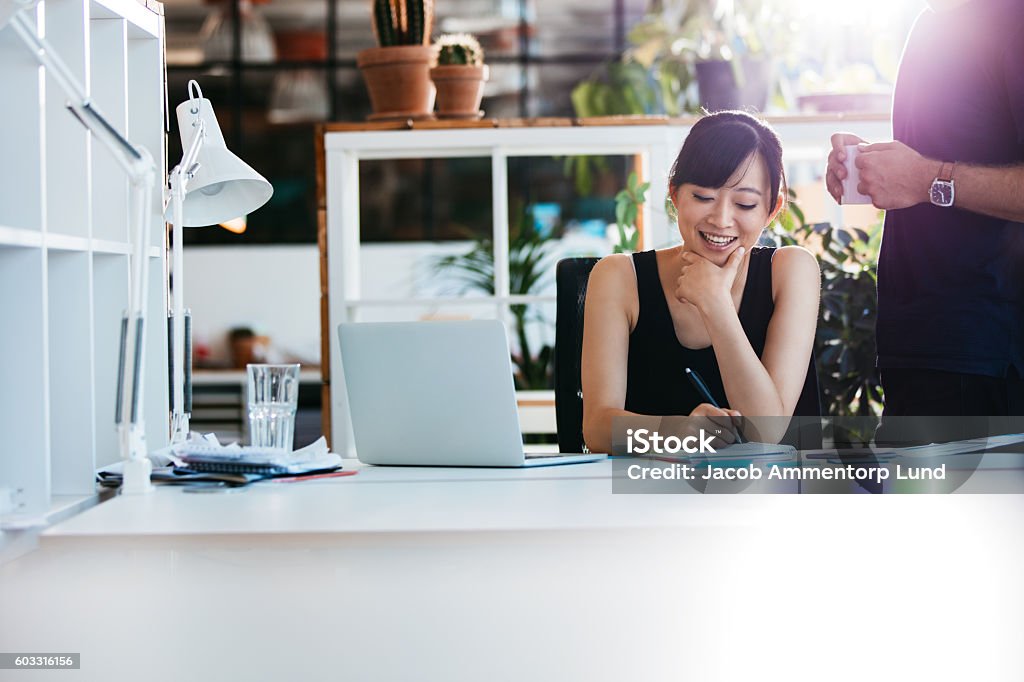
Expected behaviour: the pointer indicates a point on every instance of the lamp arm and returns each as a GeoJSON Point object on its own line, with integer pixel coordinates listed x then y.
{"type": "Point", "coordinates": [138, 164]}
{"type": "Point", "coordinates": [180, 379]}
{"type": "Point", "coordinates": [134, 159]}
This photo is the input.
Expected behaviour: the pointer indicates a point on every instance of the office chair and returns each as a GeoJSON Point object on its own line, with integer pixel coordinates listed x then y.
{"type": "Point", "coordinates": [571, 277]}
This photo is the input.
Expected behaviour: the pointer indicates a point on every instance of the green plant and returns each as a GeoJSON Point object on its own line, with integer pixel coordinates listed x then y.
{"type": "Point", "coordinates": [529, 266]}
{"type": "Point", "coordinates": [459, 49]}
{"type": "Point", "coordinates": [656, 73]}
{"type": "Point", "coordinates": [402, 22]}
{"type": "Point", "coordinates": [845, 342]}
{"type": "Point", "coordinates": [627, 207]}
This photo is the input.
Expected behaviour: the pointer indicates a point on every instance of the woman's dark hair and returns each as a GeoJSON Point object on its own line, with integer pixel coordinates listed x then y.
{"type": "Point", "coordinates": [719, 143]}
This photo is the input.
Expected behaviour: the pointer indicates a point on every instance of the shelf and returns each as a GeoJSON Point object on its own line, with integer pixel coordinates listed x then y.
{"type": "Point", "coordinates": [446, 301]}
{"type": "Point", "coordinates": [109, 248]}
{"type": "Point", "coordinates": [66, 506]}
{"type": "Point", "coordinates": [527, 59]}
{"type": "Point", "coordinates": [17, 236]}
{"type": "Point", "coordinates": [23, 366]}
{"type": "Point", "coordinates": [67, 140]}
{"type": "Point", "coordinates": [63, 242]}
{"type": "Point", "coordinates": [143, 22]}
{"type": "Point", "coordinates": [110, 205]}
{"type": "Point", "coordinates": [72, 422]}
{"type": "Point", "coordinates": [21, 135]}
{"type": "Point", "coordinates": [238, 377]}
{"type": "Point", "coordinates": [65, 252]}
{"type": "Point", "coordinates": [110, 299]}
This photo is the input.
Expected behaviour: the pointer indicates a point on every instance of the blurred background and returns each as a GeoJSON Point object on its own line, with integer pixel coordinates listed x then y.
{"type": "Point", "coordinates": [274, 69]}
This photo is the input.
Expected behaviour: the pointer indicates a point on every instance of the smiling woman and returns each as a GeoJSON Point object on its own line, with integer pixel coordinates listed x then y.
{"type": "Point", "coordinates": [742, 317]}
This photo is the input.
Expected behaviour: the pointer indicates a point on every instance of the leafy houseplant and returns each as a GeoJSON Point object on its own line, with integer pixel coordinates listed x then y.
{"type": "Point", "coordinates": [397, 73]}
{"type": "Point", "coordinates": [627, 208]}
{"type": "Point", "coordinates": [721, 43]}
{"type": "Point", "coordinates": [459, 76]}
{"type": "Point", "coordinates": [845, 343]}
{"type": "Point", "coordinates": [529, 263]}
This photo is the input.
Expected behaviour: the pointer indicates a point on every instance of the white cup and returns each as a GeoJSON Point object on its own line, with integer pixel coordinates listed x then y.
{"type": "Point", "coordinates": [850, 193]}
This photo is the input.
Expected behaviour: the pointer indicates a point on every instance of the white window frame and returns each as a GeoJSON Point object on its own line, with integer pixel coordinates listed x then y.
{"type": "Point", "coordinates": [654, 146]}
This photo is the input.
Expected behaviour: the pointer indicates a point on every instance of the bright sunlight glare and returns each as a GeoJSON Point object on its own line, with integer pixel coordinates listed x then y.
{"type": "Point", "coordinates": [835, 13]}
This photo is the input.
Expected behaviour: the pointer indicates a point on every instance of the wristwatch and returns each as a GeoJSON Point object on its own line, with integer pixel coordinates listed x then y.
{"type": "Point", "coordinates": [943, 192]}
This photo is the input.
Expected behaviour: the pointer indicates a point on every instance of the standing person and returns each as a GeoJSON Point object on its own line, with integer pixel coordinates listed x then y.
{"type": "Point", "coordinates": [950, 330]}
{"type": "Point", "coordinates": [741, 316]}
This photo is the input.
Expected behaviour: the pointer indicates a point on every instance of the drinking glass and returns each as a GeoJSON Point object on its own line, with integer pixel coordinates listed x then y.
{"type": "Point", "coordinates": [272, 396]}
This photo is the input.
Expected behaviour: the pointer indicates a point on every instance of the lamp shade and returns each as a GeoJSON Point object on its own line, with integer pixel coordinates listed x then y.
{"type": "Point", "coordinates": [224, 186]}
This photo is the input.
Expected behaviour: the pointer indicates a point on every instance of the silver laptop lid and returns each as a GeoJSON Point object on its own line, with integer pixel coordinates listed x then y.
{"type": "Point", "coordinates": [431, 393]}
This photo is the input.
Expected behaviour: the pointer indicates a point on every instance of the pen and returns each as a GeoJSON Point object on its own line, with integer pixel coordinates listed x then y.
{"type": "Point", "coordinates": [310, 477]}
{"type": "Point", "coordinates": [702, 388]}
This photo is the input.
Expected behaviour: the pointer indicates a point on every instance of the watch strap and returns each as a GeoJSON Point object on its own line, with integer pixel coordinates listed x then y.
{"type": "Point", "coordinates": [946, 171]}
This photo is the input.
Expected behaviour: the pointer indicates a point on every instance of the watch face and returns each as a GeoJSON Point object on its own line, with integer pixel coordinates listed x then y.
{"type": "Point", "coordinates": [942, 193]}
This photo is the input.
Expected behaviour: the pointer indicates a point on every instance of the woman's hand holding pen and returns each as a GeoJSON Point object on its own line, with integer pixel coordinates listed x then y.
{"type": "Point", "coordinates": [720, 423]}
{"type": "Point", "coordinates": [723, 423]}
{"type": "Point", "coordinates": [705, 284]}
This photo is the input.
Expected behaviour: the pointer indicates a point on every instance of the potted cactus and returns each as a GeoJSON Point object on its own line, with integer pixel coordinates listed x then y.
{"type": "Point", "coordinates": [459, 76]}
{"type": "Point", "coordinates": [397, 73]}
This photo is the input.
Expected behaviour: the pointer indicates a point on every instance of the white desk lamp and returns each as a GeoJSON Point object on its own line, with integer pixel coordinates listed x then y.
{"type": "Point", "coordinates": [210, 185]}
{"type": "Point", "coordinates": [138, 164]}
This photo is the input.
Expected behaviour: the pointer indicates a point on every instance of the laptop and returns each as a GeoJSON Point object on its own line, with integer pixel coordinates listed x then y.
{"type": "Point", "coordinates": [435, 393]}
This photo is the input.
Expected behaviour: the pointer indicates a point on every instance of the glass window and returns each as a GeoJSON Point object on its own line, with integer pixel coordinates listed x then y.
{"type": "Point", "coordinates": [426, 228]}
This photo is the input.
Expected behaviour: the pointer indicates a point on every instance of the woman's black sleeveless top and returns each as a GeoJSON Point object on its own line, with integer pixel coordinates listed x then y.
{"type": "Point", "coordinates": [656, 382]}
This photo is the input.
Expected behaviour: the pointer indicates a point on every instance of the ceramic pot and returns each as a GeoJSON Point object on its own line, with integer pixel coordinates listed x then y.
{"type": "Point", "coordinates": [460, 88]}
{"type": "Point", "coordinates": [398, 79]}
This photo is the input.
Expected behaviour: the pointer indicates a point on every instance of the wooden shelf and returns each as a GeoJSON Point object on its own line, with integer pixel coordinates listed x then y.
{"type": "Point", "coordinates": [567, 122]}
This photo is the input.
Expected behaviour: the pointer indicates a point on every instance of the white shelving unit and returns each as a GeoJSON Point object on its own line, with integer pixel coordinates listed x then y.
{"type": "Point", "coordinates": [805, 141]}
{"type": "Point", "coordinates": [64, 254]}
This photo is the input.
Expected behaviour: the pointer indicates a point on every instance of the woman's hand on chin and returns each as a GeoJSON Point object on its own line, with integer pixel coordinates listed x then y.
{"type": "Point", "coordinates": [705, 284]}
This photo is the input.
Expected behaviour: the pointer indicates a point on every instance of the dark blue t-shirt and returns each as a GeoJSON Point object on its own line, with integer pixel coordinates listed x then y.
{"type": "Point", "coordinates": [951, 282]}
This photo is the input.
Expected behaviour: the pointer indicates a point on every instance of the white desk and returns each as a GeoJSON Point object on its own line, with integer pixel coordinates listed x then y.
{"type": "Point", "coordinates": [523, 575]}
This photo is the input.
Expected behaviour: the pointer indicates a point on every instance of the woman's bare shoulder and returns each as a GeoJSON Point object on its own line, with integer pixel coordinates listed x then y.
{"type": "Point", "coordinates": [793, 258]}
{"type": "Point", "coordinates": [613, 283]}
{"type": "Point", "coordinates": [614, 269]}
{"type": "Point", "coordinates": [794, 266]}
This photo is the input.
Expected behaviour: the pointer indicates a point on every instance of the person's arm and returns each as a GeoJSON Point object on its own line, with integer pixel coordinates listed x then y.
{"type": "Point", "coordinates": [606, 324]}
{"type": "Point", "coordinates": [769, 386]}
{"type": "Point", "coordinates": [611, 292]}
{"type": "Point", "coordinates": [991, 191]}
{"type": "Point", "coordinates": [896, 176]}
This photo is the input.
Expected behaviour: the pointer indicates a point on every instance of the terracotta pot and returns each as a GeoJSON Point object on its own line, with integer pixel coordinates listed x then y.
{"type": "Point", "coordinates": [398, 79]}
{"type": "Point", "coordinates": [459, 90]}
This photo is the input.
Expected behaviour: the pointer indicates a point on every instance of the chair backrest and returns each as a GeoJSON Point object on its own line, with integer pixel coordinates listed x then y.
{"type": "Point", "coordinates": [571, 277]}
{"type": "Point", "coordinates": [805, 429]}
